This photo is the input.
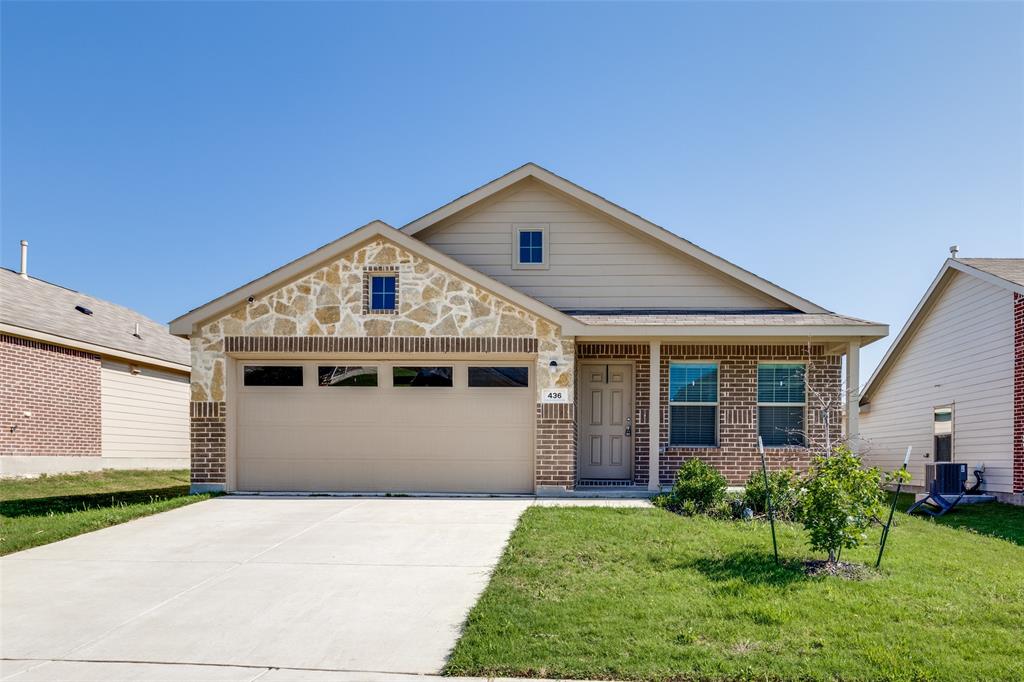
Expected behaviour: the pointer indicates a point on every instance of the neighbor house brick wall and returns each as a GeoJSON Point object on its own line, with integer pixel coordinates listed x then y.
{"type": "Point", "coordinates": [1018, 393]}
{"type": "Point", "coordinates": [60, 387]}
{"type": "Point", "coordinates": [736, 455]}
{"type": "Point", "coordinates": [555, 460]}
{"type": "Point", "coordinates": [209, 441]}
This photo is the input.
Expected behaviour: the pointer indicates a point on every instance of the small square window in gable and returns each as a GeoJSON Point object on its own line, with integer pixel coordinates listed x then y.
{"type": "Point", "coordinates": [530, 247]}
{"type": "Point", "coordinates": [380, 290]}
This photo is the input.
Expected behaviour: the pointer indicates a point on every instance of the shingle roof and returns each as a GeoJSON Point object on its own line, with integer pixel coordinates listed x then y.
{"type": "Point", "coordinates": [43, 307]}
{"type": "Point", "coordinates": [701, 318]}
{"type": "Point", "coordinates": [1010, 269]}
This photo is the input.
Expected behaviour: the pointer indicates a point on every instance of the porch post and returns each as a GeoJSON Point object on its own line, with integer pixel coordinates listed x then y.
{"type": "Point", "coordinates": [853, 391]}
{"type": "Point", "coordinates": [654, 420]}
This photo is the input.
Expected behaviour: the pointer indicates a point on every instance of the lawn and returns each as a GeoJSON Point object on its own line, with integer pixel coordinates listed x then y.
{"type": "Point", "coordinates": [49, 508]}
{"type": "Point", "coordinates": [1001, 520]}
{"type": "Point", "coordinates": [643, 594]}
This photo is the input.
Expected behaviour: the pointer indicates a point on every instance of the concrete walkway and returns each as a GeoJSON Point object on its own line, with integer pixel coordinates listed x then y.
{"type": "Point", "coordinates": [245, 588]}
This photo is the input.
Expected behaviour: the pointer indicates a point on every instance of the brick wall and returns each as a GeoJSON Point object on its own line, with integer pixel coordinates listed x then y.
{"type": "Point", "coordinates": [60, 387]}
{"type": "Point", "coordinates": [1018, 393]}
{"type": "Point", "coordinates": [555, 459]}
{"type": "Point", "coordinates": [736, 455]}
{"type": "Point", "coordinates": [209, 441]}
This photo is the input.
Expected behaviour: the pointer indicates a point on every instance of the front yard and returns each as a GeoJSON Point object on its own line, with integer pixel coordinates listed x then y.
{"type": "Point", "coordinates": [643, 594]}
{"type": "Point", "coordinates": [41, 510]}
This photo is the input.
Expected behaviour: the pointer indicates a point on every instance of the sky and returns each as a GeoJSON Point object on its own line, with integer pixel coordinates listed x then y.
{"type": "Point", "coordinates": [160, 154]}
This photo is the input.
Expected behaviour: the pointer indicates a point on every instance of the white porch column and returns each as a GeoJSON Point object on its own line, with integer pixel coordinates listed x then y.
{"type": "Point", "coordinates": [853, 391]}
{"type": "Point", "coordinates": [654, 420]}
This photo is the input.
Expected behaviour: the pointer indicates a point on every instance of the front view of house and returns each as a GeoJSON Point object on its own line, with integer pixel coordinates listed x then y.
{"type": "Point", "coordinates": [528, 337]}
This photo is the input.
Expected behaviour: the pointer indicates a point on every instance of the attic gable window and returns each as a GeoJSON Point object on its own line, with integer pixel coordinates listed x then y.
{"type": "Point", "coordinates": [380, 290]}
{"type": "Point", "coordinates": [530, 247]}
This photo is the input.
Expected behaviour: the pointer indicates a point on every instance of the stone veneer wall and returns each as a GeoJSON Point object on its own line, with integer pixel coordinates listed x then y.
{"type": "Point", "coordinates": [438, 312]}
{"type": "Point", "coordinates": [736, 455]}
{"type": "Point", "coordinates": [1018, 393]}
{"type": "Point", "coordinates": [60, 388]}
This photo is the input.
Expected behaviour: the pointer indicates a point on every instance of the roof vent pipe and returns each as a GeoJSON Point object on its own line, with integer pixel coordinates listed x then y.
{"type": "Point", "coordinates": [953, 251]}
{"type": "Point", "coordinates": [24, 259]}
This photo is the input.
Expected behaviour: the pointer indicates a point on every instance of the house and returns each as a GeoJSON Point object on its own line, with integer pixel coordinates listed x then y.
{"type": "Point", "coordinates": [86, 384]}
{"type": "Point", "coordinates": [952, 384]}
{"type": "Point", "coordinates": [504, 343]}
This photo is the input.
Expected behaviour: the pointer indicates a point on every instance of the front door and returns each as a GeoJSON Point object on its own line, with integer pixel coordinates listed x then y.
{"type": "Point", "coordinates": [606, 422]}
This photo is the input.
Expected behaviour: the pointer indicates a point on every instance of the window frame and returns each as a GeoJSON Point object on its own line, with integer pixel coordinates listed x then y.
{"type": "Point", "coordinates": [406, 365]}
{"type": "Point", "coordinates": [802, 405]}
{"type": "Point", "coordinates": [369, 273]}
{"type": "Point", "coordinates": [952, 432]}
{"type": "Point", "coordinates": [242, 365]}
{"type": "Point", "coordinates": [680, 403]}
{"type": "Point", "coordinates": [518, 229]}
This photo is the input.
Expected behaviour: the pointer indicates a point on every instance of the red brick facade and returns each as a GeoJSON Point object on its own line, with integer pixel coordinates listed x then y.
{"type": "Point", "coordinates": [736, 455]}
{"type": "Point", "coordinates": [209, 441]}
{"type": "Point", "coordinates": [60, 387]}
{"type": "Point", "coordinates": [555, 458]}
{"type": "Point", "coordinates": [1018, 393]}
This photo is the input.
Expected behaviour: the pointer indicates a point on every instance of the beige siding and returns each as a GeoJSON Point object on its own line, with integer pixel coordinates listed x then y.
{"type": "Point", "coordinates": [595, 261]}
{"type": "Point", "coordinates": [145, 415]}
{"type": "Point", "coordinates": [962, 354]}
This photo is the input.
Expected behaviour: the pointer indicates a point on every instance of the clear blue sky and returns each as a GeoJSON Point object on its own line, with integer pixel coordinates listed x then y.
{"type": "Point", "coordinates": [159, 154]}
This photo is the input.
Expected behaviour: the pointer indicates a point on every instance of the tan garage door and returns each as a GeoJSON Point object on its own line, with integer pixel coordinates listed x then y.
{"type": "Point", "coordinates": [396, 426]}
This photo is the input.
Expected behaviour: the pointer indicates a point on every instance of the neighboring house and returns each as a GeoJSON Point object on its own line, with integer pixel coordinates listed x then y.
{"type": "Point", "coordinates": [952, 384]}
{"type": "Point", "coordinates": [503, 343]}
{"type": "Point", "coordinates": [86, 384]}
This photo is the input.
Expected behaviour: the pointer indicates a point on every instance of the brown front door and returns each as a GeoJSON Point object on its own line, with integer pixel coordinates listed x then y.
{"type": "Point", "coordinates": [606, 422]}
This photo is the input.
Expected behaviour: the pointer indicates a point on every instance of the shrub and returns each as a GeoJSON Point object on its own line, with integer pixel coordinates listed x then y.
{"type": "Point", "coordinates": [699, 488]}
{"type": "Point", "coordinates": [839, 502]}
{"type": "Point", "coordinates": [785, 486]}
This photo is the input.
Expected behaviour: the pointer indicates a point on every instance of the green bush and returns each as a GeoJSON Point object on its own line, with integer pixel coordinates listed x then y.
{"type": "Point", "coordinates": [840, 500]}
{"type": "Point", "coordinates": [699, 488]}
{"type": "Point", "coordinates": [785, 486]}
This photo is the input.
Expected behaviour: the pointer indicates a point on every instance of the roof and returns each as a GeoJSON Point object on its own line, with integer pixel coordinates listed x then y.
{"type": "Point", "coordinates": [38, 309]}
{"type": "Point", "coordinates": [1010, 269]}
{"type": "Point", "coordinates": [622, 215]}
{"type": "Point", "coordinates": [701, 318]}
{"type": "Point", "coordinates": [1007, 273]}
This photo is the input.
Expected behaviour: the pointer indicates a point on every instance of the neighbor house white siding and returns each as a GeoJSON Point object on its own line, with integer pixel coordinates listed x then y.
{"type": "Point", "coordinates": [595, 262]}
{"type": "Point", "coordinates": [961, 354]}
{"type": "Point", "coordinates": [145, 421]}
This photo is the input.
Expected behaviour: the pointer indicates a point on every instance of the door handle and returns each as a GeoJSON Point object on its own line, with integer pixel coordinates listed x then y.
{"type": "Point", "coordinates": [629, 427]}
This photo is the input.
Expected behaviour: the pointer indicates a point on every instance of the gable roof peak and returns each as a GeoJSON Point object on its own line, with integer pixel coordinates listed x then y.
{"type": "Point", "coordinates": [619, 214]}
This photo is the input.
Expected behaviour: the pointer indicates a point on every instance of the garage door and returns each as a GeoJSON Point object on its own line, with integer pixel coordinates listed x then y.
{"type": "Point", "coordinates": [396, 426]}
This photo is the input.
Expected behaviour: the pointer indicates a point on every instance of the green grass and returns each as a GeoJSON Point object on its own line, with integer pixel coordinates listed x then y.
{"type": "Point", "coordinates": [49, 508]}
{"type": "Point", "coordinates": [1004, 521]}
{"type": "Point", "coordinates": [643, 594]}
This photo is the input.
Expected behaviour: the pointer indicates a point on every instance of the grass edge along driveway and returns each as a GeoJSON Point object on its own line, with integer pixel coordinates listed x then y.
{"type": "Point", "coordinates": [644, 594]}
{"type": "Point", "coordinates": [38, 511]}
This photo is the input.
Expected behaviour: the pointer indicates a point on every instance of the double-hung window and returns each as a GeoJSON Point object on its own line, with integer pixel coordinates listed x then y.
{"type": "Point", "coordinates": [781, 404]}
{"type": "Point", "coordinates": [693, 404]}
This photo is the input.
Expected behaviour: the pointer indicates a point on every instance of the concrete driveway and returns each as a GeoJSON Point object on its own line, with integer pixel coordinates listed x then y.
{"type": "Point", "coordinates": [241, 588]}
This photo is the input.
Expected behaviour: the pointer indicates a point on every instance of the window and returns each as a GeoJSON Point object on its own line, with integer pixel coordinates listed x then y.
{"type": "Point", "coordinates": [942, 418]}
{"type": "Point", "coordinates": [693, 404]}
{"type": "Point", "coordinates": [382, 293]}
{"type": "Point", "coordinates": [422, 376]}
{"type": "Point", "coordinates": [499, 377]}
{"type": "Point", "coordinates": [347, 376]}
{"type": "Point", "coordinates": [272, 375]}
{"type": "Point", "coordinates": [530, 247]}
{"type": "Point", "coordinates": [780, 404]}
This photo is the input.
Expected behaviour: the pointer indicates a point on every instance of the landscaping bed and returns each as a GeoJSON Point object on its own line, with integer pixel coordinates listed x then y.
{"type": "Point", "coordinates": [644, 594]}
{"type": "Point", "coordinates": [41, 510]}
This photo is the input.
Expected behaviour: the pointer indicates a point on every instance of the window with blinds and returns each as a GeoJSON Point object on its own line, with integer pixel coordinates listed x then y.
{"type": "Point", "coordinates": [693, 404]}
{"type": "Point", "coordinates": [781, 404]}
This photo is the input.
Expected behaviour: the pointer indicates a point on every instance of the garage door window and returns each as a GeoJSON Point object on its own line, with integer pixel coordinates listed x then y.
{"type": "Point", "coordinates": [499, 377]}
{"type": "Point", "coordinates": [346, 376]}
{"type": "Point", "coordinates": [272, 375]}
{"type": "Point", "coordinates": [422, 376]}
